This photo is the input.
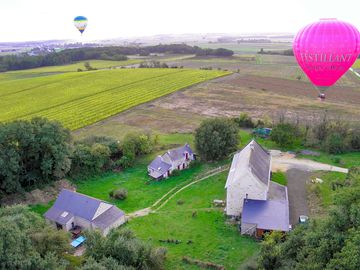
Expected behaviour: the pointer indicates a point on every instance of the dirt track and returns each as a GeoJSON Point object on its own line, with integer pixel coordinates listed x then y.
{"type": "Point", "coordinates": [297, 194]}
{"type": "Point", "coordinates": [284, 162]}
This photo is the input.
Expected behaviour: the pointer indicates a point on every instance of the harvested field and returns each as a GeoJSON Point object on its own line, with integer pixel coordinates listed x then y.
{"type": "Point", "coordinates": [229, 96]}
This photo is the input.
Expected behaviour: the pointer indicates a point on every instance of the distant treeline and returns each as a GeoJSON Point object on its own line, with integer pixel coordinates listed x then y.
{"type": "Point", "coordinates": [25, 61]}
{"type": "Point", "coordinates": [288, 52]}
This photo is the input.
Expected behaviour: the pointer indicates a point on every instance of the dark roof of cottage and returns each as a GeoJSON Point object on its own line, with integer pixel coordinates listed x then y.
{"type": "Point", "coordinates": [80, 205]}
{"type": "Point", "coordinates": [55, 214]}
{"type": "Point", "coordinates": [277, 192]}
{"type": "Point", "coordinates": [178, 153]}
{"type": "Point", "coordinates": [267, 215]}
{"type": "Point", "coordinates": [108, 217]}
{"type": "Point", "coordinates": [159, 165]}
{"type": "Point", "coordinates": [259, 162]}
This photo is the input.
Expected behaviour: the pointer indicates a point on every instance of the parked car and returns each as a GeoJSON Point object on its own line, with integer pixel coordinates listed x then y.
{"type": "Point", "coordinates": [262, 132]}
{"type": "Point", "coordinates": [303, 219]}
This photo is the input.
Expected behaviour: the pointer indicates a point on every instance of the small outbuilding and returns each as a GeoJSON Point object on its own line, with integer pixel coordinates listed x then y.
{"type": "Point", "coordinates": [73, 210]}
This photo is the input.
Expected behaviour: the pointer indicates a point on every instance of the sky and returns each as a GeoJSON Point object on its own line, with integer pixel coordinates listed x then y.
{"type": "Point", "coordinates": [24, 20]}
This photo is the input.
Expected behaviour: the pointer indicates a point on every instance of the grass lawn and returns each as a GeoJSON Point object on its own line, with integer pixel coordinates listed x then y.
{"type": "Point", "coordinates": [346, 160]}
{"type": "Point", "coordinates": [212, 239]}
{"type": "Point", "coordinates": [279, 177]}
{"type": "Point", "coordinates": [142, 191]}
{"type": "Point", "coordinates": [325, 191]}
{"type": "Point", "coordinates": [40, 208]}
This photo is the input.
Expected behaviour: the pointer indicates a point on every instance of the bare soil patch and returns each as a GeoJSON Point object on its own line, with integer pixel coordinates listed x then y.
{"type": "Point", "coordinates": [37, 196]}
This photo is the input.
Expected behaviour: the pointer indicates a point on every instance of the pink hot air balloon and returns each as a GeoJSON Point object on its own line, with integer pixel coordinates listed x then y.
{"type": "Point", "coordinates": [325, 50]}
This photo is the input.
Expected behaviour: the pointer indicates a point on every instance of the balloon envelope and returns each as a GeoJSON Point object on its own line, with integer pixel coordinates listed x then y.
{"type": "Point", "coordinates": [80, 23]}
{"type": "Point", "coordinates": [325, 50]}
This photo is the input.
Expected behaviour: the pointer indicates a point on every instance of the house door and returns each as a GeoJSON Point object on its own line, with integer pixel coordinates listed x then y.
{"type": "Point", "coordinates": [184, 166]}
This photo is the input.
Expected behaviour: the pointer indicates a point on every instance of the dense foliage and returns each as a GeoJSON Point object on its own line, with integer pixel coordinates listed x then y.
{"type": "Point", "coordinates": [121, 250]}
{"type": "Point", "coordinates": [32, 153]}
{"type": "Point", "coordinates": [24, 61]}
{"type": "Point", "coordinates": [27, 242]}
{"type": "Point", "coordinates": [288, 52]}
{"type": "Point", "coordinates": [95, 154]}
{"type": "Point", "coordinates": [328, 243]}
{"type": "Point", "coordinates": [216, 138]}
{"type": "Point", "coordinates": [285, 134]}
{"type": "Point", "coordinates": [331, 136]}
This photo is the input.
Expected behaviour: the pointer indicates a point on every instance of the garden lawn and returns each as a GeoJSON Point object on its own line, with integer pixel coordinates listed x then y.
{"type": "Point", "coordinates": [326, 191]}
{"type": "Point", "coordinates": [190, 216]}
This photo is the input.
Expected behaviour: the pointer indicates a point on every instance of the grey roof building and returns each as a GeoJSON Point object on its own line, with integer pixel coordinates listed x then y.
{"type": "Point", "coordinates": [73, 209]}
{"type": "Point", "coordinates": [260, 216]}
{"type": "Point", "coordinates": [250, 194]}
{"type": "Point", "coordinates": [174, 159]}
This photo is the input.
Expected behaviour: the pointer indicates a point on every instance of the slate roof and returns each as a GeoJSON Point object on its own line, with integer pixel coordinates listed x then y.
{"type": "Point", "coordinates": [253, 158]}
{"type": "Point", "coordinates": [80, 205]}
{"type": "Point", "coordinates": [178, 153]}
{"type": "Point", "coordinates": [259, 162]}
{"type": "Point", "coordinates": [108, 217]}
{"type": "Point", "coordinates": [267, 215]}
{"type": "Point", "coordinates": [160, 166]}
{"type": "Point", "coordinates": [277, 192]}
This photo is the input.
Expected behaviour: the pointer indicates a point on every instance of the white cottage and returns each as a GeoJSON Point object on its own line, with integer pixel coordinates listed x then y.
{"type": "Point", "coordinates": [249, 177]}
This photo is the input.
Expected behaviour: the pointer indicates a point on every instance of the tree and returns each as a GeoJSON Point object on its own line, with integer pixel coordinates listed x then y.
{"type": "Point", "coordinates": [285, 134]}
{"type": "Point", "coordinates": [216, 138]}
{"type": "Point", "coordinates": [122, 247]}
{"type": "Point", "coordinates": [34, 153]}
{"type": "Point", "coordinates": [245, 121]}
{"type": "Point", "coordinates": [19, 241]}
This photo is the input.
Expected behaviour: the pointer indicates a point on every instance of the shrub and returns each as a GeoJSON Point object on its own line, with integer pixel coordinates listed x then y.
{"type": "Point", "coordinates": [245, 121]}
{"type": "Point", "coordinates": [216, 138]}
{"type": "Point", "coordinates": [119, 194]}
{"type": "Point", "coordinates": [354, 139]}
{"type": "Point", "coordinates": [285, 134]}
{"type": "Point", "coordinates": [334, 144]}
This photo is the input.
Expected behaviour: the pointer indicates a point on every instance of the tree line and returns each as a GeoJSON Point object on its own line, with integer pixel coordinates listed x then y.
{"type": "Point", "coordinates": [118, 53]}
{"type": "Point", "coordinates": [288, 52]}
{"type": "Point", "coordinates": [37, 152]}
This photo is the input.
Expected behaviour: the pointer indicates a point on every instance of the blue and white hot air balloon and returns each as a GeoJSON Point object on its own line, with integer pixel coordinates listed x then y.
{"type": "Point", "coordinates": [80, 23]}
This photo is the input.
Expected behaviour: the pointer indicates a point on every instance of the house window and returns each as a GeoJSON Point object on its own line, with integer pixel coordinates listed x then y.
{"type": "Point", "coordinates": [59, 226]}
{"type": "Point", "coordinates": [187, 156]}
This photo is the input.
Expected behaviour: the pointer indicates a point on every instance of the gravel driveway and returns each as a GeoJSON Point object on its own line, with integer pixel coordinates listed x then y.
{"type": "Point", "coordinates": [297, 193]}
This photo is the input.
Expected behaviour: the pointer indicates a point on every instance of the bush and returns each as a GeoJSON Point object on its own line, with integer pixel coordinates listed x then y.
{"type": "Point", "coordinates": [285, 134]}
{"type": "Point", "coordinates": [335, 144]}
{"type": "Point", "coordinates": [245, 121]}
{"type": "Point", "coordinates": [354, 139]}
{"type": "Point", "coordinates": [216, 138]}
{"type": "Point", "coordinates": [119, 194]}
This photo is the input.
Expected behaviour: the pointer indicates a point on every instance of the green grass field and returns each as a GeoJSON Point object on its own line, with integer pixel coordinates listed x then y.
{"type": "Point", "coordinates": [78, 99]}
{"type": "Point", "coordinates": [212, 239]}
{"type": "Point", "coordinates": [357, 64]}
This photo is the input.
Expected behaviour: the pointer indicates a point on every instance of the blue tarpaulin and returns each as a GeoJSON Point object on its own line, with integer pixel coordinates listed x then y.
{"type": "Point", "coordinates": [78, 241]}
